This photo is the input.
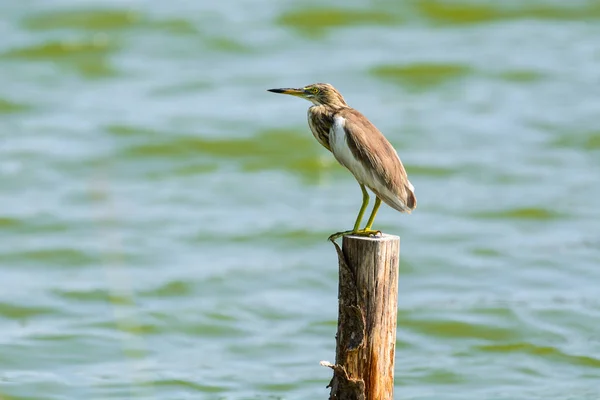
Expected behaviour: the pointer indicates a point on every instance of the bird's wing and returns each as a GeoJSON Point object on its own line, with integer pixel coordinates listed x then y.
{"type": "Point", "coordinates": [373, 154]}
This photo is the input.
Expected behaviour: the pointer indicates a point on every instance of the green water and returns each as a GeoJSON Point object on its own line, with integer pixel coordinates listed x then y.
{"type": "Point", "coordinates": [163, 218]}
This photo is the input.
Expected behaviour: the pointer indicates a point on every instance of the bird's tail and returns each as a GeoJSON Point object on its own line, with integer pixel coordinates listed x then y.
{"type": "Point", "coordinates": [405, 201]}
{"type": "Point", "coordinates": [411, 201]}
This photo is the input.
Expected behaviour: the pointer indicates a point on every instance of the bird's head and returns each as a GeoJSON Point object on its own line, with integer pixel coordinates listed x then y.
{"type": "Point", "coordinates": [317, 93]}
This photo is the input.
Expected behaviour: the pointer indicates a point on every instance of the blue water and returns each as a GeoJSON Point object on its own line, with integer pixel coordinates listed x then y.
{"type": "Point", "coordinates": [163, 218]}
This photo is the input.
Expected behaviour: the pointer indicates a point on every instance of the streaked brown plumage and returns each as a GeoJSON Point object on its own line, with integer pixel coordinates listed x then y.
{"type": "Point", "coordinates": [360, 147]}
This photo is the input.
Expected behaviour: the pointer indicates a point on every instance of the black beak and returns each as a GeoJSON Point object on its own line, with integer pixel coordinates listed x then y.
{"type": "Point", "coordinates": [292, 91]}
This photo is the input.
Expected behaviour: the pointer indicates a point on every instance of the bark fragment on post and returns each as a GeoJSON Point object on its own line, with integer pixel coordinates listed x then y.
{"type": "Point", "coordinates": [367, 314]}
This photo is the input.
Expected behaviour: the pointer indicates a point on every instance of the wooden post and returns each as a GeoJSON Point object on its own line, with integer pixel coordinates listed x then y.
{"type": "Point", "coordinates": [367, 314]}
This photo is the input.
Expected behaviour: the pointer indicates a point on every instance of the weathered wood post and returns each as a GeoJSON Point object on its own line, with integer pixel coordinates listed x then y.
{"type": "Point", "coordinates": [367, 313]}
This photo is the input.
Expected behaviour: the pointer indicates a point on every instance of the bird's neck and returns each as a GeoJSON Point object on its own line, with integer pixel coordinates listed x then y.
{"type": "Point", "coordinates": [326, 109]}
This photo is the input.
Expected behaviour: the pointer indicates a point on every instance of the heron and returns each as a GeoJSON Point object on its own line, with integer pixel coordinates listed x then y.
{"type": "Point", "coordinates": [359, 147]}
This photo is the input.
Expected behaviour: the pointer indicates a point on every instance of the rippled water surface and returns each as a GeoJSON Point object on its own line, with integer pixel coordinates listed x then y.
{"type": "Point", "coordinates": [163, 218]}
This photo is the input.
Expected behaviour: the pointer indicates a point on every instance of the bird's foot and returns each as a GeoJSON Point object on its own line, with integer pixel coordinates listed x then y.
{"type": "Point", "coordinates": [361, 232]}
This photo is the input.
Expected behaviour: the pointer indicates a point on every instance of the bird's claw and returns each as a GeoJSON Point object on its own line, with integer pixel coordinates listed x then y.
{"type": "Point", "coordinates": [362, 232]}
{"type": "Point", "coordinates": [337, 235]}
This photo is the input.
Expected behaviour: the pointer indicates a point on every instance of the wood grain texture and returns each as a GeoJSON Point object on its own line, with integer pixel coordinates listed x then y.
{"type": "Point", "coordinates": [368, 306]}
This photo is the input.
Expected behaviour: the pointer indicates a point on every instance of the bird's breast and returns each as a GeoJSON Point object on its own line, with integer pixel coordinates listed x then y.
{"type": "Point", "coordinates": [320, 125]}
{"type": "Point", "coordinates": [344, 155]}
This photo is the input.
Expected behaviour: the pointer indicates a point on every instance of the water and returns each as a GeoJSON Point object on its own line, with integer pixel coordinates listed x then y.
{"type": "Point", "coordinates": [163, 218]}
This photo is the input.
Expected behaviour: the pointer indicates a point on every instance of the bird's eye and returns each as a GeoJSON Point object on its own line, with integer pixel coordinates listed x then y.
{"type": "Point", "coordinates": [314, 90]}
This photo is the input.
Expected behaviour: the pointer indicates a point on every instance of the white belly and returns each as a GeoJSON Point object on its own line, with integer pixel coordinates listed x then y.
{"type": "Point", "coordinates": [342, 153]}
{"type": "Point", "coordinates": [365, 176]}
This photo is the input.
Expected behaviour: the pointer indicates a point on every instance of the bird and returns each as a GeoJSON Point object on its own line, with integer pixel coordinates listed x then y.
{"type": "Point", "coordinates": [361, 148]}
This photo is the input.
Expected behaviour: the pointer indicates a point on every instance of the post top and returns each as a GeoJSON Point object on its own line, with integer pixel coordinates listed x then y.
{"type": "Point", "coordinates": [381, 238]}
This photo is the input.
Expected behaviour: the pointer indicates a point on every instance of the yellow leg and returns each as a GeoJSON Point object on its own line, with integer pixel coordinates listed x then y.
{"type": "Point", "coordinates": [356, 231]}
{"type": "Point", "coordinates": [363, 207]}
{"type": "Point", "coordinates": [373, 213]}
